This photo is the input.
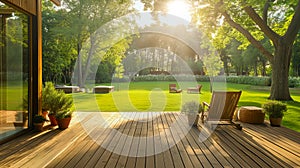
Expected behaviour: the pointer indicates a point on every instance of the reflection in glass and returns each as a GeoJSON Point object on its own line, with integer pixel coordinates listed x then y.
{"type": "Point", "coordinates": [14, 56]}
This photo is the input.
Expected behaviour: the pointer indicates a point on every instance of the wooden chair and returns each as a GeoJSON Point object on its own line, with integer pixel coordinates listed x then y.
{"type": "Point", "coordinates": [173, 89]}
{"type": "Point", "coordinates": [196, 89]}
{"type": "Point", "coordinates": [221, 108]}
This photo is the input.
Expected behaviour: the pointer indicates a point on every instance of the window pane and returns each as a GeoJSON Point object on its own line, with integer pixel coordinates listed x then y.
{"type": "Point", "coordinates": [14, 76]}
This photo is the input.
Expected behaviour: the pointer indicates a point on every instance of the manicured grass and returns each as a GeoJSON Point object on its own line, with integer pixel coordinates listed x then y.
{"type": "Point", "coordinates": [155, 96]}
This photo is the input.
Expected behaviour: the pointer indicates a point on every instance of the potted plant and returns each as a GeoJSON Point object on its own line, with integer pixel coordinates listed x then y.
{"type": "Point", "coordinates": [275, 110]}
{"type": "Point", "coordinates": [48, 94]}
{"type": "Point", "coordinates": [62, 108]}
{"type": "Point", "coordinates": [38, 122]}
{"type": "Point", "coordinates": [192, 110]}
{"type": "Point", "coordinates": [64, 118]}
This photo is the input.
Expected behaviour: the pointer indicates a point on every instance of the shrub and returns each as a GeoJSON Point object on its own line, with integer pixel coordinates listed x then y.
{"type": "Point", "coordinates": [274, 109]}
{"type": "Point", "coordinates": [294, 82]}
{"type": "Point", "coordinates": [55, 100]}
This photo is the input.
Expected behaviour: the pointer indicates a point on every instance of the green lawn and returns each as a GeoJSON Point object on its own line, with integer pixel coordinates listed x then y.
{"type": "Point", "coordinates": [154, 96]}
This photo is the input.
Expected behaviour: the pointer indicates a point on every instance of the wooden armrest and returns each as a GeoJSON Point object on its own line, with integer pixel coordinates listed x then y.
{"type": "Point", "coordinates": [206, 104]}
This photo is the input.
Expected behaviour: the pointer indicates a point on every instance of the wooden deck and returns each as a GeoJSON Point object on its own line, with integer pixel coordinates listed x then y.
{"type": "Point", "coordinates": [91, 143]}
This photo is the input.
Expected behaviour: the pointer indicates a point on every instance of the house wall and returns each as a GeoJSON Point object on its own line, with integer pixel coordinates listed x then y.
{"type": "Point", "coordinates": [27, 5]}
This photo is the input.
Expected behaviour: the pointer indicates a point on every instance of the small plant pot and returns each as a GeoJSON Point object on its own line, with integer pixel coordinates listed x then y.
{"type": "Point", "coordinates": [52, 119]}
{"type": "Point", "coordinates": [38, 126]}
{"type": "Point", "coordinates": [275, 122]}
{"type": "Point", "coordinates": [63, 123]}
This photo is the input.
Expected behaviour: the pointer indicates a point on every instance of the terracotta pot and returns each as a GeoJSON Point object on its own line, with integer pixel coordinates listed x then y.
{"type": "Point", "coordinates": [38, 126]}
{"type": "Point", "coordinates": [63, 123]}
{"type": "Point", "coordinates": [52, 119]}
{"type": "Point", "coordinates": [45, 113]}
{"type": "Point", "coordinates": [275, 122]}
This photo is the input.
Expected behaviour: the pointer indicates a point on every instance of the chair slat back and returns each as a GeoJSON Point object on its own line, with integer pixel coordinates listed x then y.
{"type": "Point", "coordinates": [223, 105]}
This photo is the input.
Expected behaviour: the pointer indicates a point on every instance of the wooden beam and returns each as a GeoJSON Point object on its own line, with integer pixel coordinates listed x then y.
{"type": "Point", "coordinates": [56, 2]}
{"type": "Point", "coordinates": [39, 45]}
{"type": "Point", "coordinates": [26, 5]}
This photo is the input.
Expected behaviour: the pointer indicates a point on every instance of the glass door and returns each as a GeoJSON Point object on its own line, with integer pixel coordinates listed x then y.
{"type": "Point", "coordinates": [14, 70]}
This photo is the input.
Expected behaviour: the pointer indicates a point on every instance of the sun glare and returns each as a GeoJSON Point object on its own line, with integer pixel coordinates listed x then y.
{"type": "Point", "coordinates": [179, 8]}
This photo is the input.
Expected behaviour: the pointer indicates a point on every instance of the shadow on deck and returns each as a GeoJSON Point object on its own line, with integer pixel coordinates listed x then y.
{"type": "Point", "coordinates": [152, 140]}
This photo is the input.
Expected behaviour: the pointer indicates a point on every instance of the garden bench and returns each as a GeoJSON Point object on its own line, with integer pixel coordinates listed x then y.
{"type": "Point", "coordinates": [103, 89]}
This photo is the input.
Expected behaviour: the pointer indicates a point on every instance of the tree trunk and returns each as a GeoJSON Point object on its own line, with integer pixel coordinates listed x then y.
{"type": "Point", "coordinates": [263, 71]}
{"type": "Point", "coordinates": [79, 66]}
{"type": "Point", "coordinates": [280, 71]}
{"type": "Point", "coordinates": [211, 82]}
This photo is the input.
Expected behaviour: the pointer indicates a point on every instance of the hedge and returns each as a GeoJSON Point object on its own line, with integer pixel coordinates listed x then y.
{"type": "Point", "coordinates": [252, 80]}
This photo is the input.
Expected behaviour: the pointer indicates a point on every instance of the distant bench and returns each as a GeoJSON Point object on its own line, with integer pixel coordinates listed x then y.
{"type": "Point", "coordinates": [103, 89]}
{"type": "Point", "coordinates": [68, 89]}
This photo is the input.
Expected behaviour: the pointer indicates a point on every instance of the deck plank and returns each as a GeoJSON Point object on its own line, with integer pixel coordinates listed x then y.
{"type": "Point", "coordinates": [85, 144]}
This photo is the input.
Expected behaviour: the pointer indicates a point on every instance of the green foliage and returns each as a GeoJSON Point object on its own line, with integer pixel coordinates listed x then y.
{"type": "Point", "coordinates": [191, 107]}
{"type": "Point", "coordinates": [274, 109]}
{"type": "Point", "coordinates": [55, 100]}
{"type": "Point", "coordinates": [64, 114]}
{"type": "Point", "coordinates": [38, 119]}
{"type": "Point", "coordinates": [294, 82]}
{"type": "Point", "coordinates": [48, 94]}
{"type": "Point", "coordinates": [253, 80]}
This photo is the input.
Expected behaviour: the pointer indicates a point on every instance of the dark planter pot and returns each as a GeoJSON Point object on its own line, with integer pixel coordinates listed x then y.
{"type": "Point", "coordinates": [63, 123]}
{"type": "Point", "coordinates": [275, 122]}
{"type": "Point", "coordinates": [38, 126]}
{"type": "Point", "coordinates": [52, 119]}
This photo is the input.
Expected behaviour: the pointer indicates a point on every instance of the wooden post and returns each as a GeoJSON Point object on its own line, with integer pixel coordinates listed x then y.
{"type": "Point", "coordinates": [40, 65]}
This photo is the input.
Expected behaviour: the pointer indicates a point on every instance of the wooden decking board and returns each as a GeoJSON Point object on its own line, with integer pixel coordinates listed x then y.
{"type": "Point", "coordinates": [11, 151]}
{"type": "Point", "coordinates": [84, 146]}
{"type": "Point", "coordinates": [282, 160]}
{"type": "Point", "coordinates": [219, 153]}
{"type": "Point", "coordinates": [46, 153]}
{"type": "Point", "coordinates": [132, 145]}
{"type": "Point", "coordinates": [74, 148]}
{"type": "Point", "coordinates": [278, 152]}
{"type": "Point", "coordinates": [95, 151]}
{"type": "Point", "coordinates": [210, 156]}
{"type": "Point", "coordinates": [187, 145]}
{"type": "Point", "coordinates": [109, 143]}
{"type": "Point", "coordinates": [16, 155]}
{"type": "Point", "coordinates": [159, 157]}
{"type": "Point", "coordinates": [119, 145]}
{"type": "Point", "coordinates": [141, 160]}
{"type": "Point", "coordinates": [282, 142]}
{"type": "Point", "coordinates": [180, 145]}
{"type": "Point", "coordinates": [75, 152]}
{"type": "Point", "coordinates": [177, 160]}
{"type": "Point", "coordinates": [255, 146]}
{"type": "Point", "coordinates": [254, 149]}
{"type": "Point", "coordinates": [120, 160]}
{"type": "Point", "coordinates": [127, 142]}
{"type": "Point", "coordinates": [93, 146]}
{"type": "Point", "coordinates": [246, 156]}
{"type": "Point", "coordinates": [268, 156]}
{"type": "Point", "coordinates": [150, 159]}
{"type": "Point", "coordinates": [251, 149]}
{"type": "Point", "coordinates": [168, 160]}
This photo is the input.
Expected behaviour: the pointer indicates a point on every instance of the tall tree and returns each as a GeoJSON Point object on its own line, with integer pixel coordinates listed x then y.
{"type": "Point", "coordinates": [85, 17]}
{"type": "Point", "coordinates": [59, 52]}
{"type": "Point", "coordinates": [254, 20]}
